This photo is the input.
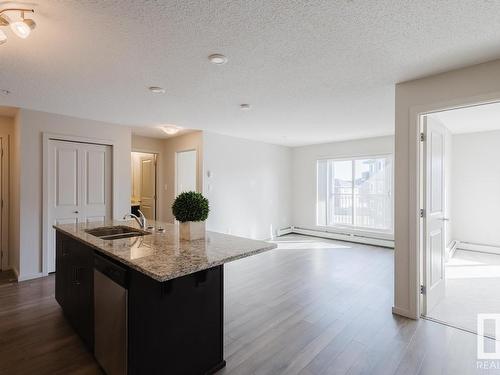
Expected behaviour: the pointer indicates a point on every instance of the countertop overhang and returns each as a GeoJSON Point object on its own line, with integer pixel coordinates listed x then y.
{"type": "Point", "coordinates": [162, 255]}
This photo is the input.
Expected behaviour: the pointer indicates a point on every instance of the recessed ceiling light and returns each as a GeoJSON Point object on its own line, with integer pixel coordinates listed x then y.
{"type": "Point", "coordinates": [217, 59]}
{"type": "Point", "coordinates": [157, 90]}
{"type": "Point", "coordinates": [245, 107]}
{"type": "Point", "coordinates": [4, 92]}
{"type": "Point", "coordinates": [170, 129]}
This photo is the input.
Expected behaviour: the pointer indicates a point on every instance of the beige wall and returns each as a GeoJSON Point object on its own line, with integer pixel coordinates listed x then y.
{"type": "Point", "coordinates": [475, 84]}
{"type": "Point", "coordinates": [7, 130]}
{"type": "Point", "coordinates": [32, 125]}
{"type": "Point", "coordinates": [190, 141]}
{"type": "Point", "coordinates": [166, 150]}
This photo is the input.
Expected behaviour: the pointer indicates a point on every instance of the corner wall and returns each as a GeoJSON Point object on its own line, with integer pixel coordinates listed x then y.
{"type": "Point", "coordinates": [476, 187]}
{"type": "Point", "coordinates": [249, 188]}
{"type": "Point", "coordinates": [475, 84]}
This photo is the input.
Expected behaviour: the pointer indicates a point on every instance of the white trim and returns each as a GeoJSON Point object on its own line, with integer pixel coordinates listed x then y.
{"type": "Point", "coordinates": [349, 237]}
{"type": "Point", "coordinates": [491, 249]}
{"type": "Point", "coordinates": [402, 312]}
{"type": "Point", "coordinates": [451, 248]}
{"type": "Point", "coordinates": [5, 197]}
{"type": "Point", "coordinates": [414, 230]}
{"type": "Point", "coordinates": [30, 276]}
{"type": "Point", "coordinates": [284, 231]}
{"type": "Point", "coordinates": [47, 136]}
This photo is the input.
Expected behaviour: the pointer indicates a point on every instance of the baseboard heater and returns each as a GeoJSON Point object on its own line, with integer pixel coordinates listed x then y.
{"type": "Point", "coordinates": [342, 236]}
{"type": "Point", "coordinates": [491, 249]}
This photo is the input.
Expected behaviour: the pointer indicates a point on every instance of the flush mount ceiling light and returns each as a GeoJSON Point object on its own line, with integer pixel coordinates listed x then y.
{"type": "Point", "coordinates": [245, 107]}
{"type": "Point", "coordinates": [157, 90]}
{"type": "Point", "coordinates": [217, 59]}
{"type": "Point", "coordinates": [22, 27]}
{"type": "Point", "coordinates": [170, 129]}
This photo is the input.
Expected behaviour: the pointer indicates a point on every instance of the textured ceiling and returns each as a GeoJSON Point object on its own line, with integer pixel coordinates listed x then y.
{"type": "Point", "coordinates": [314, 71]}
{"type": "Point", "coordinates": [471, 119]}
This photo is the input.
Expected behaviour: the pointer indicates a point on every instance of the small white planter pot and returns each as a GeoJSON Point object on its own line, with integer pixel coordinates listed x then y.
{"type": "Point", "coordinates": [191, 230]}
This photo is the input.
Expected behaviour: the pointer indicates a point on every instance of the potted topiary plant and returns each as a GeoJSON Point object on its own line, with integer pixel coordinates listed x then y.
{"type": "Point", "coordinates": [191, 210]}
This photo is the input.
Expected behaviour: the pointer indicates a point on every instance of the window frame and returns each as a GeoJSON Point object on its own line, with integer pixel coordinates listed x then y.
{"type": "Point", "coordinates": [353, 160]}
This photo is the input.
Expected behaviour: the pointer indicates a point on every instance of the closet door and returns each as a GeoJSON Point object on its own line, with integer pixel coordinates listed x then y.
{"type": "Point", "coordinates": [79, 186]}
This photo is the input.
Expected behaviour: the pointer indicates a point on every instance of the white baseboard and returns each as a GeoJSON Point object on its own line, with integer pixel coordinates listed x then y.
{"type": "Point", "coordinates": [349, 237]}
{"type": "Point", "coordinates": [492, 249]}
{"type": "Point", "coordinates": [450, 250]}
{"type": "Point", "coordinates": [284, 231]}
{"type": "Point", "coordinates": [29, 276]}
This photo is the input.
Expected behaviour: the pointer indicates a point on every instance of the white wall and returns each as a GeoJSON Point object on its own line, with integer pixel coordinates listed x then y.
{"type": "Point", "coordinates": [32, 125]}
{"type": "Point", "coordinates": [249, 188]}
{"type": "Point", "coordinates": [476, 187]}
{"type": "Point", "coordinates": [475, 84]}
{"type": "Point", "coordinates": [304, 171]}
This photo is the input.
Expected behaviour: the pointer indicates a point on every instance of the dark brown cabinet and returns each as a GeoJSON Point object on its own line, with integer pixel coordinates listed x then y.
{"type": "Point", "coordinates": [75, 285]}
{"type": "Point", "coordinates": [172, 327]}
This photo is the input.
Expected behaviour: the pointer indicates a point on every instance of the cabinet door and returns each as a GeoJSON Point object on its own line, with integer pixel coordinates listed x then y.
{"type": "Point", "coordinates": [83, 292]}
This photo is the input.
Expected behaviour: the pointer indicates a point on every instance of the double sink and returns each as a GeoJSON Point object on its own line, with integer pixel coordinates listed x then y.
{"type": "Point", "coordinates": [116, 232]}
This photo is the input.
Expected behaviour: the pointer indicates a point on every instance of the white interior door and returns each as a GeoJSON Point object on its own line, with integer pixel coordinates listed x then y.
{"type": "Point", "coordinates": [434, 203]}
{"type": "Point", "coordinates": [185, 171]}
{"type": "Point", "coordinates": [79, 186]}
{"type": "Point", "coordinates": [148, 186]}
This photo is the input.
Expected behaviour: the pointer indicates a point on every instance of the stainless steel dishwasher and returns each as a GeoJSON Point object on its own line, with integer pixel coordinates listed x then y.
{"type": "Point", "coordinates": [110, 316]}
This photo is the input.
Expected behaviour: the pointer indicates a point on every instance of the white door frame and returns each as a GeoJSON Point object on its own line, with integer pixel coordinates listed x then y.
{"type": "Point", "coordinates": [4, 197]}
{"type": "Point", "coordinates": [417, 190]}
{"type": "Point", "coordinates": [47, 137]}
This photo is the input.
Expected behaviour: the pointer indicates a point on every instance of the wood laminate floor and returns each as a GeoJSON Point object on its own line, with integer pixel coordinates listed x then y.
{"type": "Point", "coordinates": [310, 307]}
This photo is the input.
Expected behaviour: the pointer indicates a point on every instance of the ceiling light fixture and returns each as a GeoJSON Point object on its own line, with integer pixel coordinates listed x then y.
{"type": "Point", "coordinates": [21, 28]}
{"type": "Point", "coordinates": [217, 59]}
{"type": "Point", "coordinates": [170, 129]}
{"type": "Point", "coordinates": [5, 92]}
{"type": "Point", "coordinates": [157, 90]}
{"type": "Point", "coordinates": [245, 107]}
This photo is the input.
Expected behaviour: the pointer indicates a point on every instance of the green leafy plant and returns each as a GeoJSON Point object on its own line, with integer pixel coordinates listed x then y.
{"type": "Point", "coordinates": [190, 206]}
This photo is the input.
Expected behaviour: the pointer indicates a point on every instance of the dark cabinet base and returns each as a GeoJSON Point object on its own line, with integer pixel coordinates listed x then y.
{"type": "Point", "coordinates": [174, 327]}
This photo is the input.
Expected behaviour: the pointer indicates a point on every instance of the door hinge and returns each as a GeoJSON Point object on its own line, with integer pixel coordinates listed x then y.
{"type": "Point", "coordinates": [422, 289]}
{"type": "Point", "coordinates": [422, 137]}
{"type": "Point", "coordinates": [422, 212]}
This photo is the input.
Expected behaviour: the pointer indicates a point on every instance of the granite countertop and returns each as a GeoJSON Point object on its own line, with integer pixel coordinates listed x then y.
{"type": "Point", "coordinates": [161, 255]}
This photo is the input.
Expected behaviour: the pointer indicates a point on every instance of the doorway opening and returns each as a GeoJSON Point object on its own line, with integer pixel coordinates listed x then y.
{"type": "Point", "coordinates": [144, 184]}
{"type": "Point", "coordinates": [460, 202]}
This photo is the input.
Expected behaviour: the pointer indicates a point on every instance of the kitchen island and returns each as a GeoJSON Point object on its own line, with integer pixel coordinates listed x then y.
{"type": "Point", "coordinates": [146, 302]}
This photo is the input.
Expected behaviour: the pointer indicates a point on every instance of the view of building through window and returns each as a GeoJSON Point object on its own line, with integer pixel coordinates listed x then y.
{"type": "Point", "coordinates": [355, 192]}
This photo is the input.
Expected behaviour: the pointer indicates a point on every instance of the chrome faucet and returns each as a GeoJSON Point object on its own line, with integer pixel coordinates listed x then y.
{"type": "Point", "coordinates": [140, 220]}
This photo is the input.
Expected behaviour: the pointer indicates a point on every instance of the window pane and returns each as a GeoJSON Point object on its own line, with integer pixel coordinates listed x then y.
{"type": "Point", "coordinates": [372, 193]}
{"type": "Point", "coordinates": [340, 192]}
{"type": "Point", "coordinates": [322, 190]}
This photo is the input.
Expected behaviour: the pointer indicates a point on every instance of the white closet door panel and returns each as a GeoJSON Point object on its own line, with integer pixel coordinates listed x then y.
{"type": "Point", "coordinates": [80, 183]}
{"type": "Point", "coordinates": [66, 177]}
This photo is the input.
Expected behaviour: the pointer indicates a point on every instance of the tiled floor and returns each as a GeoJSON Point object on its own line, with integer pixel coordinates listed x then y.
{"type": "Point", "coordinates": [472, 287]}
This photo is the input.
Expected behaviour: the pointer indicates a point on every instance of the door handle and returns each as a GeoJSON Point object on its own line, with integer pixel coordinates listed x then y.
{"type": "Point", "coordinates": [445, 219]}
{"type": "Point", "coordinates": [75, 212]}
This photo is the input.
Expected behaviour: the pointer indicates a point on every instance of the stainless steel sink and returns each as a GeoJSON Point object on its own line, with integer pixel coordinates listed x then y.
{"type": "Point", "coordinates": [116, 232]}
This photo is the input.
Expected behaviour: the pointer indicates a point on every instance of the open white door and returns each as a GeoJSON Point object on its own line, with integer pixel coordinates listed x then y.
{"type": "Point", "coordinates": [434, 214]}
{"type": "Point", "coordinates": [148, 186]}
